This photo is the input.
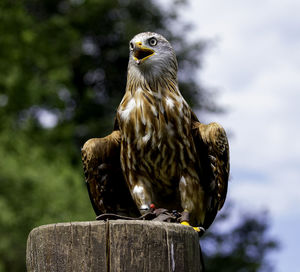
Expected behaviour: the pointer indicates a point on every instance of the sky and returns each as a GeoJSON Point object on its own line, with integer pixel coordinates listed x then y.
{"type": "Point", "coordinates": [254, 64]}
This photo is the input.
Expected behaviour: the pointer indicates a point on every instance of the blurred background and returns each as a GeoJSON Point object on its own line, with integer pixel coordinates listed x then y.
{"type": "Point", "coordinates": [63, 73]}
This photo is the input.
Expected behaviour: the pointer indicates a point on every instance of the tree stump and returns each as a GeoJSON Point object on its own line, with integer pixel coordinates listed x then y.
{"type": "Point", "coordinates": [114, 245]}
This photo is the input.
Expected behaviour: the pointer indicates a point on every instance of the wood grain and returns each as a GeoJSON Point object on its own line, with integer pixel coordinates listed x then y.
{"type": "Point", "coordinates": [115, 245]}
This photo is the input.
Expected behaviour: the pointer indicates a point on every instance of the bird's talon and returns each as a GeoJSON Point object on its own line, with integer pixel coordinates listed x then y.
{"type": "Point", "coordinates": [200, 230]}
{"type": "Point", "coordinates": [185, 223]}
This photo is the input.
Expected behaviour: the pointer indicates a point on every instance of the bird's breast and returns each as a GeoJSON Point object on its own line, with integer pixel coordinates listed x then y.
{"type": "Point", "coordinates": [155, 134]}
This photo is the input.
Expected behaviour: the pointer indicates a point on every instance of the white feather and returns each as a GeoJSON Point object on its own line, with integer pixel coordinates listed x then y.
{"type": "Point", "coordinates": [129, 108]}
{"type": "Point", "coordinates": [147, 137]}
{"type": "Point", "coordinates": [183, 181]}
{"type": "Point", "coordinates": [138, 189]}
{"type": "Point", "coordinates": [169, 102]}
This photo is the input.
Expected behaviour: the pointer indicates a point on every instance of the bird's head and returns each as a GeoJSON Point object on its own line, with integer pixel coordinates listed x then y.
{"type": "Point", "coordinates": [152, 56]}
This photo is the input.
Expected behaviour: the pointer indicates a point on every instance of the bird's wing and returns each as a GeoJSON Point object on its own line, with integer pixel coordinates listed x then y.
{"type": "Point", "coordinates": [213, 151]}
{"type": "Point", "coordinates": [104, 178]}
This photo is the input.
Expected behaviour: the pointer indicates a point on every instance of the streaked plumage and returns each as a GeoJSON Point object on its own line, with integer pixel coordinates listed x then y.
{"type": "Point", "coordinates": [167, 156]}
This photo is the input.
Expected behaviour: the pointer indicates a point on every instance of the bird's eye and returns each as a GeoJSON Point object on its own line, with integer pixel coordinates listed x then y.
{"type": "Point", "coordinates": [152, 41]}
{"type": "Point", "coordinates": [131, 46]}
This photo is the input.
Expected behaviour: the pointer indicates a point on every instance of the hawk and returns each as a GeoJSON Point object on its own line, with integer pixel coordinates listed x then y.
{"type": "Point", "coordinates": [159, 154]}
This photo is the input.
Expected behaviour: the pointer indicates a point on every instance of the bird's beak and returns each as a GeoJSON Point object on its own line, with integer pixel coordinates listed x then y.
{"type": "Point", "coordinates": [141, 53]}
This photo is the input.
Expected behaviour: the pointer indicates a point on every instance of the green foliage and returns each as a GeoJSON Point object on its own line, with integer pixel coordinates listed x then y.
{"type": "Point", "coordinates": [36, 188]}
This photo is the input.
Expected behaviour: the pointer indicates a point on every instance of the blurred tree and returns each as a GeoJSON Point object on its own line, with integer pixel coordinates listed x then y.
{"type": "Point", "coordinates": [62, 74]}
{"type": "Point", "coordinates": [240, 247]}
{"type": "Point", "coordinates": [35, 188]}
{"type": "Point", "coordinates": [67, 60]}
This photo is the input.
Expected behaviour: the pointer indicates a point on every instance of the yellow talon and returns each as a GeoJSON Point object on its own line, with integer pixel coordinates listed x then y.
{"type": "Point", "coordinates": [185, 223]}
{"type": "Point", "coordinates": [197, 229]}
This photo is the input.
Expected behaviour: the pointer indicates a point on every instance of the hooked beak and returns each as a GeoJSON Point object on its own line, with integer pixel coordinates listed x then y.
{"type": "Point", "coordinates": [141, 53]}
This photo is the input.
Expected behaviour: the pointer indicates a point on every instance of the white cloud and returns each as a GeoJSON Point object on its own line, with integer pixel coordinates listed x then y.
{"type": "Point", "coordinates": [277, 194]}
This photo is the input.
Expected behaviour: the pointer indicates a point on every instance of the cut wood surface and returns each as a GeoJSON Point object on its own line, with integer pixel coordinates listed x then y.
{"type": "Point", "coordinates": [114, 245]}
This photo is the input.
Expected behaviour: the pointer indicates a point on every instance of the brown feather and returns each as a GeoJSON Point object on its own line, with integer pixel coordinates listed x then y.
{"type": "Point", "coordinates": [104, 178]}
{"type": "Point", "coordinates": [213, 149]}
{"type": "Point", "coordinates": [214, 136]}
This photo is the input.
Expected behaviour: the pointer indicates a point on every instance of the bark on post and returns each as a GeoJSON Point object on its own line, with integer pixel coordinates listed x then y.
{"type": "Point", "coordinates": [115, 245]}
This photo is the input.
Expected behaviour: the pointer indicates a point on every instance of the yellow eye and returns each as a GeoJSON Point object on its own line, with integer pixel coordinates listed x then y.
{"type": "Point", "coordinates": [152, 41]}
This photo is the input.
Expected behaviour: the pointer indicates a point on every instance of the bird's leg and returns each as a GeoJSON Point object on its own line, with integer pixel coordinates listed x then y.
{"type": "Point", "coordinates": [142, 196]}
{"type": "Point", "coordinates": [185, 221]}
{"type": "Point", "coordinates": [191, 195]}
{"type": "Point", "coordinates": [185, 218]}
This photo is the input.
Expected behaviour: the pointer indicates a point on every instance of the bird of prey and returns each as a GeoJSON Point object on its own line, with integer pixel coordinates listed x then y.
{"type": "Point", "coordinates": [159, 154]}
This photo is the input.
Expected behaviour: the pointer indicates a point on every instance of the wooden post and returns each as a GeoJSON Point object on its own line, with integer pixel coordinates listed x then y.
{"type": "Point", "coordinates": [115, 245]}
